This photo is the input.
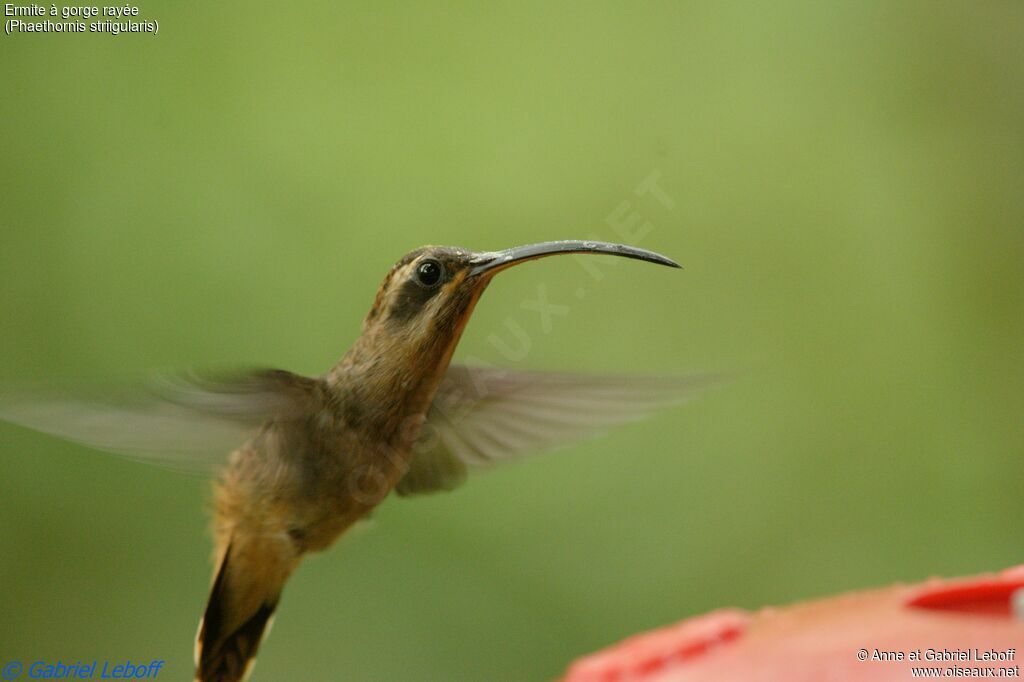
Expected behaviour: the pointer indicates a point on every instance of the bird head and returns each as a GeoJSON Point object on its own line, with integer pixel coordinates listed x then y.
{"type": "Point", "coordinates": [429, 294]}
{"type": "Point", "coordinates": [426, 300]}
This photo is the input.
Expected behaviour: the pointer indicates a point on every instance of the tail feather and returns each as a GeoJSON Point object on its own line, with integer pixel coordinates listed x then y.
{"type": "Point", "coordinates": [238, 615]}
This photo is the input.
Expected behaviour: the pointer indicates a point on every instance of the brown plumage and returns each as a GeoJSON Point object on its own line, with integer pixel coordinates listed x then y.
{"type": "Point", "coordinates": [320, 453]}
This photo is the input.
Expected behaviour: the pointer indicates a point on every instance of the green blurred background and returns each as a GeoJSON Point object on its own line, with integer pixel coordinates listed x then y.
{"type": "Point", "coordinates": [847, 186]}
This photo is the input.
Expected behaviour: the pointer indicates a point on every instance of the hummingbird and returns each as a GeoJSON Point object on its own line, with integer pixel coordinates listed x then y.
{"type": "Point", "coordinates": [301, 459]}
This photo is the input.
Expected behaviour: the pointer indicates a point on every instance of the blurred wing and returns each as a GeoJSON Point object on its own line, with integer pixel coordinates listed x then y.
{"type": "Point", "coordinates": [187, 422]}
{"type": "Point", "coordinates": [480, 416]}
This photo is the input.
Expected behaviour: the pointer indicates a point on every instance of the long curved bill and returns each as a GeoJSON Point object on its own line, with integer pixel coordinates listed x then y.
{"type": "Point", "coordinates": [496, 261]}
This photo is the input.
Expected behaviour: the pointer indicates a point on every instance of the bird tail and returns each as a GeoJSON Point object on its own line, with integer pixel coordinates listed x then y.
{"type": "Point", "coordinates": [240, 611]}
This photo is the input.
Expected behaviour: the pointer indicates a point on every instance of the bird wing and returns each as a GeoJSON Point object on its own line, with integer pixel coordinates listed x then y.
{"type": "Point", "coordinates": [185, 422]}
{"type": "Point", "coordinates": [480, 416]}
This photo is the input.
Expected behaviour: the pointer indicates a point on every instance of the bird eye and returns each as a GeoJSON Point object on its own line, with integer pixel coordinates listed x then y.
{"type": "Point", "coordinates": [429, 272]}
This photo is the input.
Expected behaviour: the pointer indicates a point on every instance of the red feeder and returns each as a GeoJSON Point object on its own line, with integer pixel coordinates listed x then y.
{"type": "Point", "coordinates": [970, 627]}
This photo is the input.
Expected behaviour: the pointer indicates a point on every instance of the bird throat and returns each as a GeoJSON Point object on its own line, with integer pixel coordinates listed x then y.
{"type": "Point", "coordinates": [387, 380]}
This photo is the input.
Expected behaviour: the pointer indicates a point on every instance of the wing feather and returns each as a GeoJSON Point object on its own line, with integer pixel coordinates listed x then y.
{"type": "Point", "coordinates": [187, 422]}
{"type": "Point", "coordinates": [482, 415]}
